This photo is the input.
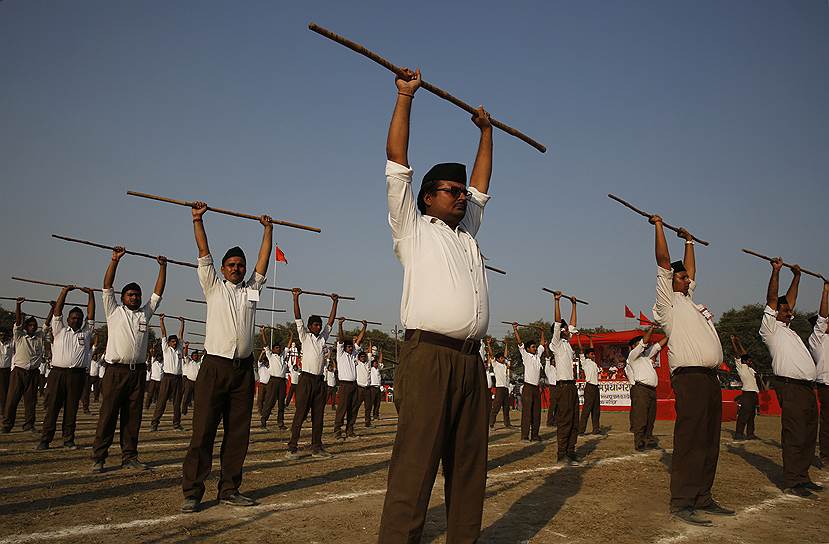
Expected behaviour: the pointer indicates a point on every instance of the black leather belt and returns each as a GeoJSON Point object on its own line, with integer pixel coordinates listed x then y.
{"type": "Point", "coordinates": [695, 370]}
{"type": "Point", "coordinates": [646, 386]}
{"type": "Point", "coordinates": [785, 379]}
{"type": "Point", "coordinates": [565, 381]}
{"type": "Point", "coordinates": [467, 347]}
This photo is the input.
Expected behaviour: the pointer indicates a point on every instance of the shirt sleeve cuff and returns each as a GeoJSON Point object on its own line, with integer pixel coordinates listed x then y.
{"type": "Point", "coordinates": [478, 197]}
{"type": "Point", "coordinates": [207, 260]}
{"type": "Point", "coordinates": [769, 311]}
{"type": "Point", "coordinates": [664, 273]}
{"type": "Point", "coordinates": [398, 171]}
{"type": "Point", "coordinates": [155, 299]}
{"type": "Point", "coordinates": [108, 292]}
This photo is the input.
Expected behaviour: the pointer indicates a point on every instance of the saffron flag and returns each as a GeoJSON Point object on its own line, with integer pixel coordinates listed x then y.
{"type": "Point", "coordinates": [629, 312]}
{"type": "Point", "coordinates": [279, 255]}
{"type": "Point", "coordinates": [643, 320]}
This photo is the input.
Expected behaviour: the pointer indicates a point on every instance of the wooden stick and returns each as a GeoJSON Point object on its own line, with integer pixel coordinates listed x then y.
{"type": "Point", "coordinates": [189, 204]}
{"type": "Point", "coordinates": [50, 284]}
{"type": "Point", "coordinates": [539, 327]}
{"type": "Point", "coordinates": [304, 292]}
{"type": "Point", "coordinates": [128, 252]}
{"type": "Point", "coordinates": [36, 301]}
{"type": "Point", "coordinates": [649, 215]}
{"type": "Point", "coordinates": [185, 332]}
{"type": "Point", "coordinates": [580, 301]}
{"type": "Point", "coordinates": [498, 270]}
{"type": "Point", "coordinates": [359, 321]}
{"type": "Point", "coordinates": [787, 265]}
{"type": "Point", "coordinates": [275, 310]}
{"type": "Point", "coordinates": [357, 48]}
{"type": "Point", "coordinates": [184, 318]}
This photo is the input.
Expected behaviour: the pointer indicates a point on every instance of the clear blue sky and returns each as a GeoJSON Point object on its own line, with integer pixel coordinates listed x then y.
{"type": "Point", "coordinates": [713, 114]}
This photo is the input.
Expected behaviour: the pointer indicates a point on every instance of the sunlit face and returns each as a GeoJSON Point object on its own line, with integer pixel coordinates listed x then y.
{"type": "Point", "coordinates": [75, 320]}
{"type": "Point", "coordinates": [131, 299]}
{"type": "Point", "coordinates": [277, 349]}
{"type": "Point", "coordinates": [532, 348]}
{"type": "Point", "coordinates": [447, 202]}
{"type": "Point", "coordinates": [349, 348]}
{"type": "Point", "coordinates": [315, 328]}
{"type": "Point", "coordinates": [30, 327]}
{"type": "Point", "coordinates": [784, 313]}
{"type": "Point", "coordinates": [173, 343]}
{"type": "Point", "coordinates": [233, 269]}
{"type": "Point", "coordinates": [681, 282]}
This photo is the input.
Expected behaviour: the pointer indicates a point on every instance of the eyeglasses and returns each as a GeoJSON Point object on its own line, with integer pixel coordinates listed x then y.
{"type": "Point", "coordinates": [456, 192]}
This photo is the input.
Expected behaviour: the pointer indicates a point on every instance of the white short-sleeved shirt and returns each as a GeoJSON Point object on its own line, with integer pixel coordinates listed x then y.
{"type": "Point", "coordinates": [819, 347]}
{"type": "Point", "coordinates": [550, 372]}
{"type": "Point", "coordinates": [590, 368]}
{"type": "Point", "coordinates": [692, 338]}
{"type": "Point", "coordinates": [173, 359]}
{"type": "Point", "coordinates": [747, 376]}
{"type": "Point", "coordinates": [6, 354]}
{"type": "Point", "coordinates": [532, 364]}
{"type": "Point", "coordinates": [94, 367]}
{"type": "Point", "coordinates": [313, 359]}
{"type": "Point", "coordinates": [70, 349]}
{"type": "Point", "coordinates": [501, 373]}
{"type": "Point", "coordinates": [127, 330]}
{"type": "Point", "coordinates": [28, 350]}
{"type": "Point", "coordinates": [330, 377]}
{"type": "Point", "coordinates": [639, 367]}
{"type": "Point", "coordinates": [563, 354]}
{"type": "Point", "coordinates": [156, 370]}
{"type": "Point", "coordinates": [231, 311]}
{"type": "Point", "coordinates": [444, 282]}
{"type": "Point", "coordinates": [264, 373]}
{"type": "Point", "coordinates": [789, 356]}
{"type": "Point", "coordinates": [375, 377]}
{"type": "Point", "coordinates": [277, 363]}
{"type": "Point", "coordinates": [363, 373]}
{"type": "Point", "coordinates": [190, 368]}
{"type": "Point", "coordinates": [346, 363]}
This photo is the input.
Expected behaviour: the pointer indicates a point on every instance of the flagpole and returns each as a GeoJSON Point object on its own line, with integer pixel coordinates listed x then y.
{"type": "Point", "coordinates": [273, 291]}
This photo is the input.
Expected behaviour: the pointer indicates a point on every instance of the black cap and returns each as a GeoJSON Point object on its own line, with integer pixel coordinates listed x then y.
{"type": "Point", "coordinates": [447, 171]}
{"type": "Point", "coordinates": [678, 266]}
{"type": "Point", "coordinates": [234, 252]}
{"type": "Point", "coordinates": [132, 286]}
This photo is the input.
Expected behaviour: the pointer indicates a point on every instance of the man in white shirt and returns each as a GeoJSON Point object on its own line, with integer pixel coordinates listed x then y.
{"type": "Point", "coordinates": [25, 373]}
{"type": "Point", "coordinates": [225, 388]}
{"type": "Point", "coordinates": [294, 369]}
{"type": "Point", "coordinates": [265, 388]}
{"type": "Point", "coordinates": [819, 347]}
{"type": "Point", "coordinates": [744, 366]}
{"type": "Point", "coordinates": [171, 387]}
{"type": "Point", "coordinates": [347, 375]}
{"type": "Point", "coordinates": [592, 399]}
{"type": "Point", "coordinates": [278, 361]}
{"type": "Point", "coordinates": [331, 382]}
{"type": "Point", "coordinates": [643, 381]}
{"type": "Point", "coordinates": [445, 311]}
{"type": "Point", "coordinates": [126, 355]}
{"type": "Point", "coordinates": [550, 377]}
{"type": "Point", "coordinates": [92, 379]}
{"type": "Point", "coordinates": [375, 381]}
{"type": "Point", "coordinates": [311, 389]}
{"type": "Point", "coordinates": [501, 368]}
{"type": "Point", "coordinates": [694, 355]}
{"type": "Point", "coordinates": [190, 369]}
{"type": "Point", "coordinates": [531, 392]}
{"type": "Point", "coordinates": [363, 382]}
{"type": "Point", "coordinates": [6, 355]}
{"type": "Point", "coordinates": [567, 405]}
{"type": "Point", "coordinates": [70, 348]}
{"type": "Point", "coordinates": [795, 374]}
{"type": "Point", "coordinates": [156, 371]}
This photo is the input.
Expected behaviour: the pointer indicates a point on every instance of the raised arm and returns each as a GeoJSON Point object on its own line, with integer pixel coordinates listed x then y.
{"type": "Point", "coordinates": [543, 345]}
{"type": "Point", "coordinates": [262, 335]}
{"type": "Point", "coordinates": [646, 340]}
{"type": "Point", "coordinates": [482, 171]}
{"type": "Point", "coordinates": [663, 256]}
{"type": "Point", "coordinates": [296, 291]}
{"type": "Point", "coordinates": [578, 341]}
{"type": "Point", "coordinates": [489, 354]}
{"type": "Point", "coordinates": [59, 303]}
{"type": "Point", "coordinates": [198, 210]}
{"type": "Point", "coordinates": [361, 335]}
{"type": "Point", "coordinates": [774, 283]}
{"type": "Point", "coordinates": [689, 259]}
{"type": "Point", "coordinates": [557, 297]}
{"type": "Point", "coordinates": [397, 144]}
{"type": "Point", "coordinates": [18, 311]}
{"type": "Point", "coordinates": [109, 276]}
{"type": "Point", "coordinates": [267, 243]}
{"type": "Point", "coordinates": [573, 314]}
{"type": "Point", "coordinates": [739, 350]}
{"type": "Point", "coordinates": [824, 301]}
{"type": "Point", "coordinates": [332, 315]}
{"type": "Point", "coordinates": [163, 327]}
{"type": "Point", "coordinates": [90, 305]}
{"type": "Point", "coordinates": [791, 294]}
{"type": "Point", "coordinates": [181, 329]}
{"type": "Point", "coordinates": [515, 332]}
{"type": "Point", "coordinates": [340, 331]}
{"type": "Point", "coordinates": [161, 280]}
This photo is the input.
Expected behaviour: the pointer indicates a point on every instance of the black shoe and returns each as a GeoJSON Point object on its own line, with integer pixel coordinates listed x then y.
{"type": "Point", "coordinates": [98, 466]}
{"type": "Point", "coordinates": [321, 454]}
{"type": "Point", "coordinates": [573, 459]}
{"type": "Point", "coordinates": [690, 516]}
{"type": "Point", "coordinates": [799, 491]}
{"type": "Point", "coordinates": [715, 509]}
{"type": "Point", "coordinates": [190, 505]}
{"type": "Point", "coordinates": [5, 430]}
{"type": "Point", "coordinates": [87, 411]}
{"type": "Point", "coordinates": [264, 428]}
{"type": "Point", "coordinates": [752, 437]}
{"type": "Point", "coordinates": [813, 487]}
{"type": "Point", "coordinates": [640, 448]}
{"type": "Point", "coordinates": [283, 428]}
{"type": "Point", "coordinates": [153, 428]}
{"type": "Point", "coordinates": [739, 437]}
{"type": "Point", "coordinates": [70, 445]}
{"type": "Point", "coordinates": [178, 428]}
{"type": "Point", "coordinates": [42, 446]}
{"type": "Point", "coordinates": [134, 463]}
{"type": "Point", "coordinates": [598, 432]}
{"type": "Point", "coordinates": [29, 429]}
{"type": "Point", "coordinates": [237, 499]}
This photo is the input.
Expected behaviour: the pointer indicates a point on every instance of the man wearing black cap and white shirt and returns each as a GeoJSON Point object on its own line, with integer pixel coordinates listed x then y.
{"type": "Point", "coordinates": [225, 386]}
{"type": "Point", "coordinates": [155, 370]}
{"type": "Point", "coordinates": [592, 407]}
{"type": "Point", "coordinates": [440, 385]}
{"type": "Point", "coordinates": [501, 369]}
{"type": "Point", "coordinates": [126, 355]}
{"type": "Point", "coordinates": [694, 355]}
{"type": "Point", "coordinates": [795, 373]}
{"type": "Point", "coordinates": [819, 347]}
{"type": "Point", "coordinates": [311, 389]}
{"type": "Point", "coordinates": [643, 381]}
{"type": "Point", "coordinates": [277, 382]}
{"type": "Point", "coordinates": [567, 394]}
{"type": "Point", "coordinates": [347, 376]}
{"type": "Point", "coordinates": [190, 372]}
{"type": "Point", "coordinates": [748, 398]}
{"type": "Point", "coordinates": [171, 386]}
{"type": "Point", "coordinates": [70, 349]}
{"type": "Point", "coordinates": [25, 373]}
{"type": "Point", "coordinates": [6, 354]}
{"type": "Point", "coordinates": [531, 392]}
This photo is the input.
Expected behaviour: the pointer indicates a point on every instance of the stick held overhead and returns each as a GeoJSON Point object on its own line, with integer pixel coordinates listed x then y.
{"type": "Point", "coordinates": [357, 48]}
{"type": "Point", "coordinates": [317, 293]}
{"type": "Point", "coordinates": [539, 327]}
{"type": "Point", "coordinates": [189, 204]}
{"type": "Point", "coordinates": [51, 284]}
{"type": "Point", "coordinates": [649, 215]}
{"type": "Point", "coordinates": [787, 265]}
{"type": "Point", "coordinates": [563, 295]}
{"type": "Point", "coordinates": [127, 251]}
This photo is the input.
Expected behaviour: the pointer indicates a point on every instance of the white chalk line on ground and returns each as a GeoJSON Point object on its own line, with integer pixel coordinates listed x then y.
{"type": "Point", "coordinates": [233, 513]}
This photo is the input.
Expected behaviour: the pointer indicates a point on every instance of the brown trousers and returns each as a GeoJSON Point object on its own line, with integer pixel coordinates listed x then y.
{"type": "Point", "coordinates": [364, 399]}
{"type": "Point", "coordinates": [551, 409]}
{"type": "Point", "coordinates": [22, 384]}
{"type": "Point", "coordinates": [347, 409]}
{"type": "Point", "coordinates": [696, 436]}
{"type": "Point", "coordinates": [823, 397]}
{"type": "Point", "coordinates": [310, 395]}
{"type": "Point", "coordinates": [91, 382]}
{"type": "Point", "coordinates": [567, 418]}
{"type": "Point", "coordinates": [376, 398]}
{"type": "Point", "coordinates": [501, 403]}
{"type": "Point", "coordinates": [5, 375]}
{"type": "Point", "coordinates": [746, 413]}
{"type": "Point", "coordinates": [592, 408]}
{"type": "Point", "coordinates": [530, 411]}
{"type": "Point", "coordinates": [799, 433]}
{"type": "Point", "coordinates": [152, 387]}
{"type": "Point", "coordinates": [269, 393]}
{"type": "Point", "coordinates": [123, 390]}
{"type": "Point", "coordinates": [64, 391]}
{"type": "Point", "coordinates": [442, 401]}
{"type": "Point", "coordinates": [332, 396]}
{"type": "Point", "coordinates": [170, 390]}
{"type": "Point", "coordinates": [223, 392]}
{"type": "Point", "coordinates": [187, 389]}
{"type": "Point", "coordinates": [642, 413]}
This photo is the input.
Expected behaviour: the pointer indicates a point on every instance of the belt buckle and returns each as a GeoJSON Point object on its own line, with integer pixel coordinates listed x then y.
{"type": "Point", "coordinates": [132, 367]}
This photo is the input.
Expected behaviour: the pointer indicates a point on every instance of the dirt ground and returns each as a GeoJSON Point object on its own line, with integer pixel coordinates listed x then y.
{"type": "Point", "coordinates": [617, 496]}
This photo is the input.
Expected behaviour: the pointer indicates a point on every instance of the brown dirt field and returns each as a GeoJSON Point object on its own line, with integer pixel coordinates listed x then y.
{"type": "Point", "coordinates": [617, 496]}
